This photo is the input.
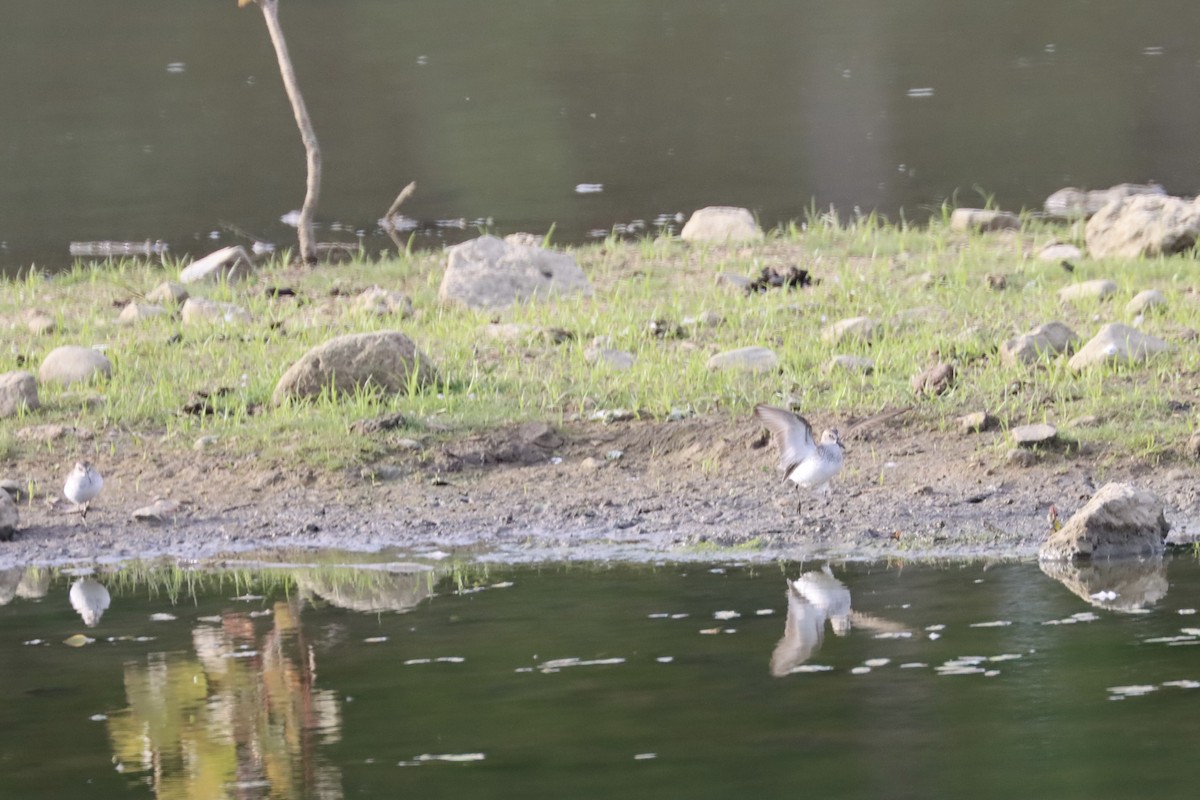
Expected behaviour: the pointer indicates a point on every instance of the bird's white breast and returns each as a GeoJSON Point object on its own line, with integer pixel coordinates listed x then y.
{"type": "Point", "coordinates": [819, 468]}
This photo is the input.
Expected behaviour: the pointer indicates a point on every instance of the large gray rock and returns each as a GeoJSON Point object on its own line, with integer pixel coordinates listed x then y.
{"type": "Point", "coordinates": [983, 220]}
{"type": "Point", "coordinates": [1072, 203]}
{"type": "Point", "coordinates": [1118, 521]}
{"type": "Point", "coordinates": [386, 360]}
{"type": "Point", "coordinates": [228, 264]}
{"type": "Point", "coordinates": [1117, 344]}
{"type": "Point", "coordinates": [18, 390]}
{"type": "Point", "coordinates": [8, 517]}
{"type": "Point", "coordinates": [721, 224]}
{"type": "Point", "coordinates": [1143, 226]}
{"type": "Point", "coordinates": [490, 273]}
{"type": "Point", "coordinates": [1042, 342]}
{"type": "Point", "coordinates": [73, 364]}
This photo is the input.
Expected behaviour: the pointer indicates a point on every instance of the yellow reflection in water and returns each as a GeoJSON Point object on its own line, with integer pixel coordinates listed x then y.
{"type": "Point", "coordinates": [241, 716]}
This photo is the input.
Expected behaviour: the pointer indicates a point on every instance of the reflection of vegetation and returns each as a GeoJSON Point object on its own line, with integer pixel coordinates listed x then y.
{"type": "Point", "coordinates": [242, 717]}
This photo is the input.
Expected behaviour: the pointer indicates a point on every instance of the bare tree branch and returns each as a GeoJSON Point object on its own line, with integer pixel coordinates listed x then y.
{"type": "Point", "coordinates": [312, 150]}
{"type": "Point", "coordinates": [389, 223]}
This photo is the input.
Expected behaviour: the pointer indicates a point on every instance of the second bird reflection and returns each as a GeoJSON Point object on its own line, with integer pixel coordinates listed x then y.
{"type": "Point", "coordinates": [814, 598]}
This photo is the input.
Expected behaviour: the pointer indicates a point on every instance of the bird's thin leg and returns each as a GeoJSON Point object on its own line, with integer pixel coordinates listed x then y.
{"type": "Point", "coordinates": [83, 513]}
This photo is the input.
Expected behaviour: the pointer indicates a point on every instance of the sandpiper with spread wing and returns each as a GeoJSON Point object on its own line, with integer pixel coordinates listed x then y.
{"type": "Point", "coordinates": [804, 461]}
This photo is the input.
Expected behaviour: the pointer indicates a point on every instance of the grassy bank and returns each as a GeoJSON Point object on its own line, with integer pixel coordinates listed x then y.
{"type": "Point", "coordinates": [927, 286]}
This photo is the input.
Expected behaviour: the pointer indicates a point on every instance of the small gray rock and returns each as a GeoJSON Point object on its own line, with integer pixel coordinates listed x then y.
{"type": "Point", "coordinates": [706, 319]}
{"type": "Point", "coordinates": [977, 422]}
{"type": "Point", "coordinates": [9, 518]}
{"type": "Point", "coordinates": [1193, 446]}
{"type": "Point", "coordinates": [1145, 301]}
{"type": "Point", "coordinates": [197, 310]}
{"type": "Point", "coordinates": [139, 312]}
{"type": "Point", "coordinates": [721, 224]}
{"type": "Point", "coordinates": [934, 380]}
{"type": "Point", "coordinates": [1031, 435]}
{"type": "Point", "coordinates": [613, 415]}
{"type": "Point", "coordinates": [382, 303]}
{"type": "Point", "coordinates": [227, 264]}
{"type": "Point", "coordinates": [746, 359]}
{"type": "Point", "coordinates": [855, 364]}
{"type": "Point", "coordinates": [18, 391]}
{"type": "Point", "coordinates": [1088, 290]}
{"type": "Point", "coordinates": [507, 331]}
{"type": "Point", "coordinates": [733, 281]}
{"type": "Point", "coordinates": [39, 322]}
{"type": "Point", "coordinates": [17, 490]}
{"type": "Point", "coordinates": [1117, 344]}
{"type": "Point", "coordinates": [1042, 342]}
{"type": "Point", "coordinates": [71, 364]}
{"type": "Point", "coordinates": [860, 328]}
{"type": "Point", "coordinates": [1119, 521]}
{"type": "Point", "coordinates": [157, 513]}
{"type": "Point", "coordinates": [1056, 252]}
{"type": "Point", "coordinates": [168, 293]}
{"type": "Point", "coordinates": [617, 359]}
{"type": "Point", "coordinates": [1020, 458]}
{"type": "Point", "coordinates": [982, 219]}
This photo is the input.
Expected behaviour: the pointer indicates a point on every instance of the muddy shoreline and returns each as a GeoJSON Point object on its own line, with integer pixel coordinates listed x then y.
{"type": "Point", "coordinates": [702, 488]}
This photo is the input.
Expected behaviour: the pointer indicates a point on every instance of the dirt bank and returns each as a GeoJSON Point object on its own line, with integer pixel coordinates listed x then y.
{"type": "Point", "coordinates": [623, 490]}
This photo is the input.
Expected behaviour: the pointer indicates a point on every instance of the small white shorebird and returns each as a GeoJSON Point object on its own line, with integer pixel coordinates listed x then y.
{"type": "Point", "coordinates": [82, 486]}
{"type": "Point", "coordinates": [804, 461]}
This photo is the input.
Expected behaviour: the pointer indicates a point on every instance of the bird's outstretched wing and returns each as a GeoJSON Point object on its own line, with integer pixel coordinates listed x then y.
{"type": "Point", "coordinates": [791, 432]}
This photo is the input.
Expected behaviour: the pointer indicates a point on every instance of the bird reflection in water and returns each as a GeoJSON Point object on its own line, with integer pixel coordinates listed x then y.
{"type": "Point", "coordinates": [814, 598]}
{"type": "Point", "coordinates": [90, 599]}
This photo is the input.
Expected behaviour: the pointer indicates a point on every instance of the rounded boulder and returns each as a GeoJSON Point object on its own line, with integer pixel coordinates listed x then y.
{"type": "Point", "coordinates": [71, 364]}
{"type": "Point", "coordinates": [386, 360]}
